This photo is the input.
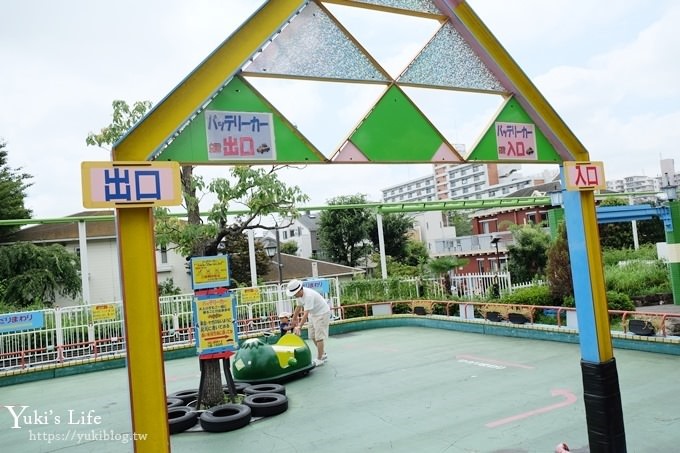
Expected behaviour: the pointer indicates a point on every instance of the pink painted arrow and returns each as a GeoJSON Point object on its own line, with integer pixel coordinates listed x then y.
{"type": "Point", "coordinates": [569, 399]}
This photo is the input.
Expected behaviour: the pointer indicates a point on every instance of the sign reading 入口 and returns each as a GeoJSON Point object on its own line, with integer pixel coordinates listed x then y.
{"type": "Point", "coordinates": [584, 175]}
{"type": "Point", "coordinates": [516, 141]}
{"type": "Point", "coordinates": [130, 184]}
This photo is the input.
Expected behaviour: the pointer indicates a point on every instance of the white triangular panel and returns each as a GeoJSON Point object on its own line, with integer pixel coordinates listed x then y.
{"type": "Point", "coordinates": [420, 6]}
{"type": "Point", "coordinates": [448, 61]}
{"type": "Point", "coordinates": [314, 46]}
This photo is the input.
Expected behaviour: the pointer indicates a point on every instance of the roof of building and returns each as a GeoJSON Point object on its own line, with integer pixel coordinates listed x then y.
{"type": "Point", "coordinates": [298, 267]}
{"type": "Point", "coordinates": [56, 232]}
{"type": "Point", "coordinates": [310, 220]}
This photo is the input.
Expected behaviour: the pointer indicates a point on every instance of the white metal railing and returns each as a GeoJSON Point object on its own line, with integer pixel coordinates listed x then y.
{"type": "Point", "coordinates": [74, 333]}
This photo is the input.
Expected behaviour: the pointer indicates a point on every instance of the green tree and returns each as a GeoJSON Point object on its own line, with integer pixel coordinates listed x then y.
{"type": "Point", "coordinates": [460, 220]}
{"type": "Point", "coordinates": [396, 227]}
{"type": "Point", "coordinates": [124, 117]}
{"type": "Point", "coordinates": [344, 233]}
{"type": "Point", "coordinates": [289, 247]}
{"type": "Point", "coordinates": [528, 255]}
{"type": "Point", "coordinates": [558, 268]}
{"type": "Point", "coordinates": [416, 253]}
{"type": "Point", "coordinates": [31, 274]}
{"type": "Point", "coordinates": [13, 185]}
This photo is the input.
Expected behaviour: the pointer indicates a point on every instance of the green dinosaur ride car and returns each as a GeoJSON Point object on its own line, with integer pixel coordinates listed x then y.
{"type": "Point", "coordinates": [259, 362]}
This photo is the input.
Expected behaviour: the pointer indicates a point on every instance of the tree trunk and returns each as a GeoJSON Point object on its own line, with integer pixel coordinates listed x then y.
{"type": "Point", "coordinates": [212, 395]}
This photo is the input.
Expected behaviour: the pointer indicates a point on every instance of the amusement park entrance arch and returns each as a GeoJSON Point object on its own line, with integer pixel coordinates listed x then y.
{"type": "Point", "coordinates": [215, 116]}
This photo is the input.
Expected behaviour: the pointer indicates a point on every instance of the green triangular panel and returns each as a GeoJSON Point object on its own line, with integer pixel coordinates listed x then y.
{"type": "Point", "coordinates": [190, 146]}
{"type": "Point", "coordinates": [396, 131]}
{"type": "Point", "coordinates": [511, 113]}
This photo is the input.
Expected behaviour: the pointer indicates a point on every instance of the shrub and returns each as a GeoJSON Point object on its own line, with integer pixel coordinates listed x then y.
{"type": "Point", "coordinates": [615, 301]}
{"type": "Point", "coordinates": [638, 278]}
{"type": "Point", "coordinates": [532, 295]}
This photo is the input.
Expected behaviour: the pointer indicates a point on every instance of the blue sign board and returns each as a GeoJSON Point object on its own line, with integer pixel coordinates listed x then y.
{"type": "Point", "coordinates": [15, 322]}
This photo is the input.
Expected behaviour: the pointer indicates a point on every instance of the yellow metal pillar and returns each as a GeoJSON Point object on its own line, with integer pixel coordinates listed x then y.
{"type": "Point", "coordinates": [146, 374]}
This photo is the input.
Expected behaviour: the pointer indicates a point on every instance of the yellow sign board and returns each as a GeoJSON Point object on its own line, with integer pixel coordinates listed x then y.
{"type": "Point", "coordinates": [210, 271]}
{"type": "Point", "coordinates": [215, 324]}
{"type": "Point", "coordinates": [104, 312]}
{"type": "Point", "coordinates": [250, 295]}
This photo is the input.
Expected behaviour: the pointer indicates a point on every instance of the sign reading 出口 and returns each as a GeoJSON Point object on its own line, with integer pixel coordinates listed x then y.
{"type": "Point", "coordinates": [130, 184]}
{"type": "Point", "coordinates": [240, 135]}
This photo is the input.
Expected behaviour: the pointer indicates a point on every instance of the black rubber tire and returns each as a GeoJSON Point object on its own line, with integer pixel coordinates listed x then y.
{"type": "Point", "coordinates": [266, 404]}
{"type": "Point", "coordinates": [265, 388]}
{"type": "Point", "coordinates": [240, 387]}
{"type": "Point", "coordinates": [174, 402]}
{"type": "Point", "coordinates": [181, 418]}
{"type": "Point", "coordinates": [226, 417]}
{"type": "Point", "coordinates": [185, 395]}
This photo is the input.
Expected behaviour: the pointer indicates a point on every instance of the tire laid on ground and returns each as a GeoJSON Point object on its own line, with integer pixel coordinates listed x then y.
{"type": "Point", "coordinates": [265, 388]}
{"type": "Point", "coordinates": [226, 417]}
{"type": "Point", "coordinates": [185, 395]}
{"type": "Point", "coordinates": [181, 418]}
{"type": "Point", "coordinates": [239, 386]}
{"type": "Point", "coordinates": [266, 404]}
{"type": "Point", "coordinates": [174, 402]}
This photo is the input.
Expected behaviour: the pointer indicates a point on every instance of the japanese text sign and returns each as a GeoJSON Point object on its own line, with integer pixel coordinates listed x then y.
{"type": "Point", "coordinates": [321, 286]}
{"type": "Point", "coordinates": [250, 295]}
{"type": "Point", "coordinates": [130, 184]}
{"type": "Point", "coordinates": [240, 135]}
{"type": "Point", "coordinates": [584, 175]}
{"type": "Point", "coordinates": [14, 322]}
{"type": "Point", "coordinates": [516, 141]}
{"type": "Point", "coordinates": [215, 324]}
{"type": "Point", "coordinates": [210, 271]}
{"type": "Point", "coordinates": [104, 312]}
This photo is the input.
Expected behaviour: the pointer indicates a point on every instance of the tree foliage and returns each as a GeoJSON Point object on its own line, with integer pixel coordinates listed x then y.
{"type": "Point", "coordinates": [396, 227]}
{"type": "Point", "coordinates": [124, 117]}
{"type": "Point", "coordinates": [31, 274]}
{"type": "Point", "coordinates": [416, 253]}
{"type": "Point", "coordinates": [13, 185]}
{"type": "Point", "coordinates": [460, 220]}
{"type": "Point", "coordinates": [558, 268]}
{"type": "Point", "coordinates": [528, 255]}
{"type": "Point", "coordinates": [289, 247]}
{"type": "Point", "coordinates": [344, 233]}
{"type": "Point", "coordinates": [257, 190]}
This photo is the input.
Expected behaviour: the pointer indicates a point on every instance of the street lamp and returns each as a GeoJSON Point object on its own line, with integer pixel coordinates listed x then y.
{"type": "Point", "coordinates": [495, 239]}
{"type": "Point", "coordinates": [671, 192]}
{"type": "Point", "coordinates": [275, 250]}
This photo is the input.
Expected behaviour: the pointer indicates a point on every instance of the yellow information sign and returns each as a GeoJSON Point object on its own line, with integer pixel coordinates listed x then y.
{"type": "Point", "coordinates": [250, 295]}
{"type": "Point", "coordinates": [215, 324]}
{"type": "Point", "coordinates": [104, 312]}
{"type": "Point", "coordinates": [210, 271]}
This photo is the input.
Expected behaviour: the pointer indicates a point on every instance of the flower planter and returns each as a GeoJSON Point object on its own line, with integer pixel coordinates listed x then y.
{"type": "Point", "coordinates": [641, 327]}
{"type": "Point", "coordinates": [517, 318]}
{"type": "Point", "coordinates": [493, 316]}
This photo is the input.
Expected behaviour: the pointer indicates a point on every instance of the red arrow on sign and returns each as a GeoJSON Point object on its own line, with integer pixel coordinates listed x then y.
{"type": "Point", "coordinates": [569, 399]}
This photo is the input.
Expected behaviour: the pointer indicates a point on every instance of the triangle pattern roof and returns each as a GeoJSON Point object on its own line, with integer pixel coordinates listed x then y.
{"type": "Point", "coordinates": [395, 130]}
{"type": "Point", "coordinates": [512, 137]}
{"type": "Point", "coordinates": [314, 45]}
{"type": "Point", "coordinates": [463, 55]}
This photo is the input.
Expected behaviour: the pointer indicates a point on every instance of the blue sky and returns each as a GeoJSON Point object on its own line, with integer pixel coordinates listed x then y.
{"type": "Point", "coordinates": [609, 68]}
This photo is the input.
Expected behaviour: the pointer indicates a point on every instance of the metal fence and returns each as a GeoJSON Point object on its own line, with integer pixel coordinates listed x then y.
{"type": "Point", "coordinates": [75, 333]}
